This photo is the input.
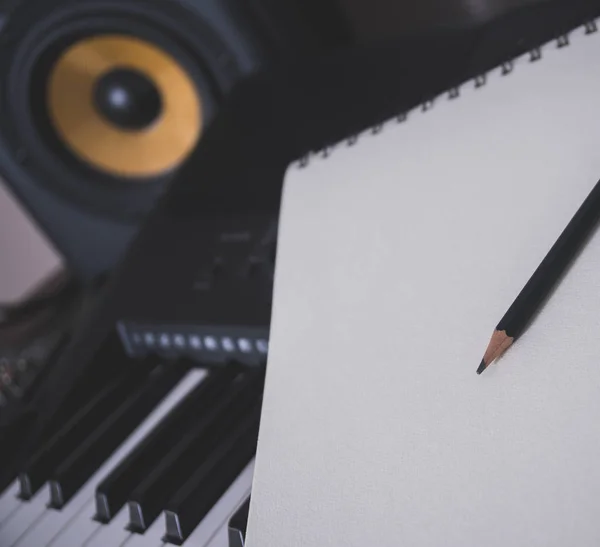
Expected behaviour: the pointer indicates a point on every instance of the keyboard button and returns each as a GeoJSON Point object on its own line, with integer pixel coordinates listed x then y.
{"type": "Point", "coordinates": [9, 501]}
{"type": "Point", "coordinates": [113, 492]}
{"type": "Point", "coordinates": [152, 536]}
{"type": "Point", "coordinates": [150, 497]}
{"type": "Point", "coordinates": [221, 539]}
{"type": "Point", "coordinates": [30, 515]}
{"type": "Point", "coordinates": [103, 441]}
{"type": "Point", "coordinates": [103, 535]}
{"type": "Point", "coordinates": [238, 524]}
{"type": "Point", "coordinates": [212, 478]}
{"type": "Point", "coordinates": [215, 523]}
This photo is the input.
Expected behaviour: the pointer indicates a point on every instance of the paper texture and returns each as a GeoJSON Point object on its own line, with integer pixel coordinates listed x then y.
{"type": "Point", "coordinates": [397, 258]}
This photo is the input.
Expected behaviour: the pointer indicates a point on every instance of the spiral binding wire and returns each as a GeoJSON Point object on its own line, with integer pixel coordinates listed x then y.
{"type": "Point", "coordinates": [481, 80]}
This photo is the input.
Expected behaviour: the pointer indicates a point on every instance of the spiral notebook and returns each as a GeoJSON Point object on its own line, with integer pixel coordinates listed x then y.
{"type": "Point", "coordinates": [399, 250]}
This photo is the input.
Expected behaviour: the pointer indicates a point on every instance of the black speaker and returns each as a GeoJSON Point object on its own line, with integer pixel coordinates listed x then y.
{"type": "Point", "coordinates": [101, 101]}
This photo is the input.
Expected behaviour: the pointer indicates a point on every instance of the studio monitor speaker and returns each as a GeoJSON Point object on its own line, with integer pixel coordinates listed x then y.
{"type": "Point", "coordinates": [101, 101]}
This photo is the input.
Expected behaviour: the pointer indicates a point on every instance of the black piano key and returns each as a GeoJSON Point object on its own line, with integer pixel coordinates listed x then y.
{"type": "Point", "coordinates": [150, 497]}
{"type": "Point", "coordinates": [237, 525]}
{"type": "Point", "coordinates": [38, 469]}
{"type": "Point", "coordinates": [112, 493]}
{"type": "Point", "coordinates": [213, 477]}
{"type": "Point", "coordinates": [79, 466]}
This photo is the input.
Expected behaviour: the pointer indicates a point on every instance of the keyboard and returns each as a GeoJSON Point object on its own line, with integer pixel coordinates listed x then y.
{"type": "Point", "coordinates": [161, 456]}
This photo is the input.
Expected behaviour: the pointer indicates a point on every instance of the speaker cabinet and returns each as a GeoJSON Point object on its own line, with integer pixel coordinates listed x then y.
{"type": "Point", "coordinates": [101, 101]}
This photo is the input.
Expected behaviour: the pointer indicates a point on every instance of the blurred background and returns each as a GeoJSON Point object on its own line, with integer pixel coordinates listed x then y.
{"type": "Point", "coordinates": [87, 147]}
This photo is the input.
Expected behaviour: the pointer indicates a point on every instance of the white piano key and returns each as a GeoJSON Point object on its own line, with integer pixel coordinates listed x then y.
{"type": "Point", "coordinates": [49, 533]}
{"type": "Point", "coordinates": [110, 534]}
{"type": "Point", "coordinates": [30, 516]}
{"type": "Point", "coordinates": [14, 484]}
{"type": "Point", "coordinates": [221, 539]}
{"type": "Point", "coordinates": [218, 517]}
{"type": "Point", "coordinates": [89, 536]}
{"type": "Point", "coordinates": [9, 502]}
{"type": "Point", "coordinates": [54, 530]}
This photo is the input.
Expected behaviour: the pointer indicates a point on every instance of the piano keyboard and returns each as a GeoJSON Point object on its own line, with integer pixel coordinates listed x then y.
{"type": "Point", "coordinates": [169, 464]}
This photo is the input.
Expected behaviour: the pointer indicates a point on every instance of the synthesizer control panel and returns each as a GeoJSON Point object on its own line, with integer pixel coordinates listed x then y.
{"type": "Point", "coordinates": [218, 305]}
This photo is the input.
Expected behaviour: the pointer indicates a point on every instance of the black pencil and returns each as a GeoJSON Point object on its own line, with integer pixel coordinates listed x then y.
{"type": "Point", "coordinates": [541, 283]}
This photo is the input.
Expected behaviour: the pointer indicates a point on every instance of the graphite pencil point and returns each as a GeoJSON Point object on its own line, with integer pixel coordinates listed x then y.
{"type": "Point", "coordinates": [499, 343]}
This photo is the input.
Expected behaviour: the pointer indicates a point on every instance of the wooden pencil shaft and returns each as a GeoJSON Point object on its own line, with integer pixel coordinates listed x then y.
{"type": "Point", "coordinates": [556, 262]}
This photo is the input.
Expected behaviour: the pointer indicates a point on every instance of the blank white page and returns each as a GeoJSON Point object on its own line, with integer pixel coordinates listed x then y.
{"type": "Point", "coordinates": [397, 258]}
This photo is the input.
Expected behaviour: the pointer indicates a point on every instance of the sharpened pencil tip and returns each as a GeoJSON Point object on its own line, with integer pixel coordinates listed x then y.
{"type": "Point", "coordinates": [499, 343]}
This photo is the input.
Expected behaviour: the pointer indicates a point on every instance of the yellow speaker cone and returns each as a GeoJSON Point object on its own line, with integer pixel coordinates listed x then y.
{"type": "Point", "coordinates": [149, 134]}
